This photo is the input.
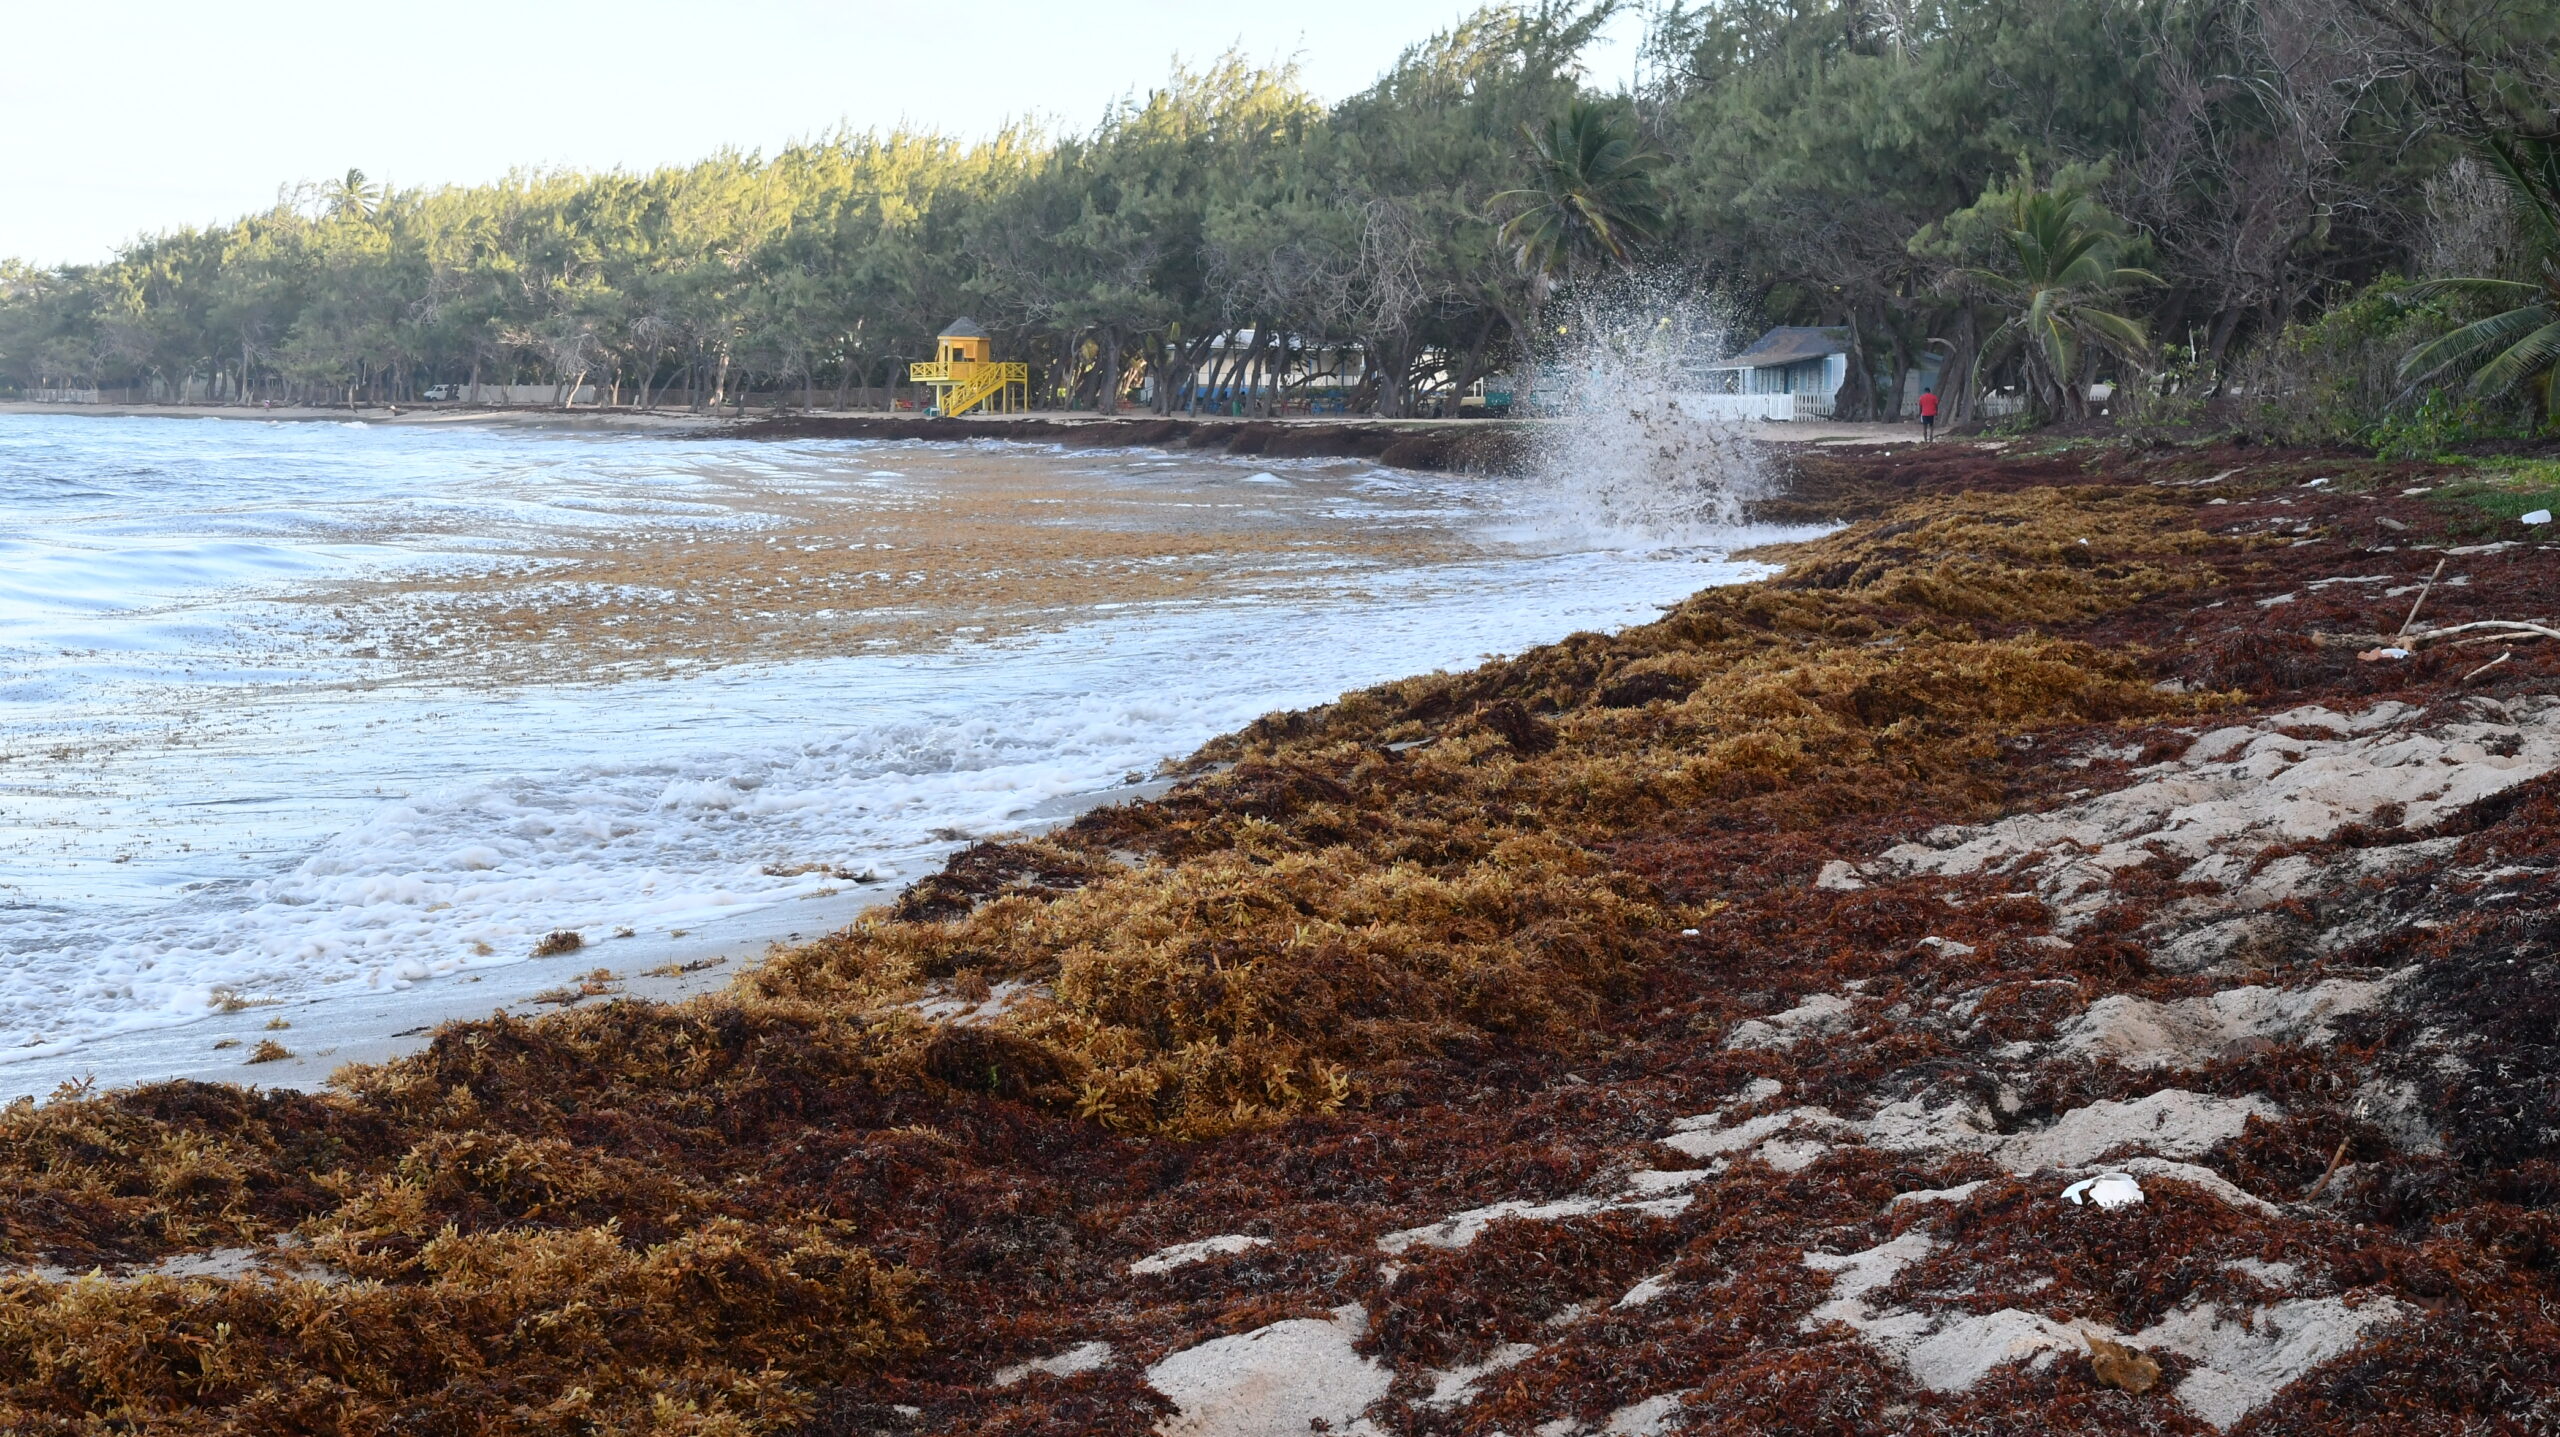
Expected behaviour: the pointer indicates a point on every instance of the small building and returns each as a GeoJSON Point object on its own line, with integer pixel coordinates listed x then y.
{"type": "Point", "coordinates": [1797, 359]}
{"type": "Point", "coordinates": [964, 343]}
{"type": "Point", "coordinates": [965, 376]}
{"type": "Point", "coordinates": [1795, 372]}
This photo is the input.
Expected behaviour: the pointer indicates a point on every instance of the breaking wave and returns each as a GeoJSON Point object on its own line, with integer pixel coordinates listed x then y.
{"type": "Point", "coordinates": [1630, 453]}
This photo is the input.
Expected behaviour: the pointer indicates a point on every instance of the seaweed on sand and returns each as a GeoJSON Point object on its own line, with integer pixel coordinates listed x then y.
{"type": "Point", "coordinates": [1483, 943]}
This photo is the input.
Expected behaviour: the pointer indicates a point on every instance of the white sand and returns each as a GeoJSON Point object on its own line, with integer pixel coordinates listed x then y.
{"type": "Point", "coordinates": [1274, 1381]}
{"type": "Point", "coordinates": [1184, 1254]}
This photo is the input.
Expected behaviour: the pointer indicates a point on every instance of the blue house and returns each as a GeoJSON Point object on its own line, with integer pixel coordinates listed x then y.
{"type": "Point", "coordinates": [1799, 359]}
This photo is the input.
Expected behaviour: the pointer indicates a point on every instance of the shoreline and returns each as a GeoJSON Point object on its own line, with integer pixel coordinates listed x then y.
{"type": "Point", "coordinates": [1480, 446]}
{"type": "Point", "coordinates": [325, 1031]}
{"type": "Point", "coordinates": [358, 1019]}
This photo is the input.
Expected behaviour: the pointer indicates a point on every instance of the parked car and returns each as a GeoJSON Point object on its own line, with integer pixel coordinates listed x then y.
{"type": "Point", "coordinates": [444, 391]}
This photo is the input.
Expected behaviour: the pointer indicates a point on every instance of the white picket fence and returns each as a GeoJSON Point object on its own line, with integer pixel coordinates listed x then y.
{"type": "Point", "coordinates": [1746, 407]}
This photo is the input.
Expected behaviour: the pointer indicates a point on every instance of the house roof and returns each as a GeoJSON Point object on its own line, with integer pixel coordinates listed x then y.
{"type": "Point", "coordinates": [963, 328]}
{"type": "Point", "coordinates": [1790, 344]}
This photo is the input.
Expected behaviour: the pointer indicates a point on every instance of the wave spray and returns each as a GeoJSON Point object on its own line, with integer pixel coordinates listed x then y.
{"type": "Point", "coordinates": [1631, 452]}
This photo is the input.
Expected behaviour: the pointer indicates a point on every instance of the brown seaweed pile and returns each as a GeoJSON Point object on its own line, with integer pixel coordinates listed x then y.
{"type": "Point", "coordinates": [1686, 1030]}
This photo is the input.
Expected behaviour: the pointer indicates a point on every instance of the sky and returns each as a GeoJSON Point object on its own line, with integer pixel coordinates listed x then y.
{"type": "Point", "coordinates": [149, 115]}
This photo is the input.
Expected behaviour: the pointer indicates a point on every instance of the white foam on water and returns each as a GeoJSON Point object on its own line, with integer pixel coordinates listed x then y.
{"type": "Point", "coordinates": [1638, 460]}
{"type": "Point", "coordinates": [195, 805]}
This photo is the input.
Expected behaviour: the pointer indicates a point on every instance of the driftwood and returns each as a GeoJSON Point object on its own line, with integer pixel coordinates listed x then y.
{"type": "Point", "coordinates": [2495, 629]}
{"type": "Point", "coordinates": [2423, 590]}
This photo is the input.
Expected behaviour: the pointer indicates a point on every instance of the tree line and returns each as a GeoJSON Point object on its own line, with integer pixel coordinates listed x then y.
{"type": "Point", "coordinates": [2019, 193]}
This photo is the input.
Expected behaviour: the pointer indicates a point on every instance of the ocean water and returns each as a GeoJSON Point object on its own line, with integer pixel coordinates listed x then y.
{"type": "Point", "coordinates": [291, 710]}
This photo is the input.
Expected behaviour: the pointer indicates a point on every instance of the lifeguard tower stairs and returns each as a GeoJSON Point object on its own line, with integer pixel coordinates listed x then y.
{"type": "Point", "coordinates": [964, 375]}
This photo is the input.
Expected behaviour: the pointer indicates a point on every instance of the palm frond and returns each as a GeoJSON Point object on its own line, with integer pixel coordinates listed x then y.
{"type": "Point", "coordinates": [2426, 289]}
{"type": "Point", "coordinates": [2531, 169]}
{"type": "Point", "coordinates": [2528, 359]}
{"type": "Point", "coordinates": [2448, 352]}
{"type": "Point", "coordinates": [2125, 335]}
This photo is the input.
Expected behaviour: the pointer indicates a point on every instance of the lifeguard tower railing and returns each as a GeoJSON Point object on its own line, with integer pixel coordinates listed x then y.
{"type": "Point", "coordinates": [960, 385]}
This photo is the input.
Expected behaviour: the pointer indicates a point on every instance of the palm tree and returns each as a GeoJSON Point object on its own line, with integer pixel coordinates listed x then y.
{"type": "Point", "coordinates": [1592, 197]}
{"type": "Point", "coordinates": [351, 197]}
{"type": "Point", "coordinates": [2065, 254]}
{"type": "Point", "coordinates": [2518, 348]}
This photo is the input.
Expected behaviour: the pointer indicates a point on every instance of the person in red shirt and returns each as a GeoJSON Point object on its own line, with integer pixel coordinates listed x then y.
{"type": "Point", "coordinates": [1928, 415]}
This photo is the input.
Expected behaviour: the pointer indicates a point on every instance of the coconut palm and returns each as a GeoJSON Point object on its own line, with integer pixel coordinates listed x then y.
{"type": "Point", "coordinates": [2516, 350]}
{"type": "Point", "coordinates": [351, 197]}
{"type": "Point", "coordinates": [2065, 253]}
{"type": "Point", "coordinates": [1592, 198]}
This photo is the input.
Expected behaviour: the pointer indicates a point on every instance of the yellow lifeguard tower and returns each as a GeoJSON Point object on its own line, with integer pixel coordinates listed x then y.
{"type": "Point", "coordinates": [965, 376]}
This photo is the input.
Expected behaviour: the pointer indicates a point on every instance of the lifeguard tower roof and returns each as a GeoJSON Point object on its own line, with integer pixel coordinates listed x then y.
{"type": "Point", "coordinates": [963, 329]}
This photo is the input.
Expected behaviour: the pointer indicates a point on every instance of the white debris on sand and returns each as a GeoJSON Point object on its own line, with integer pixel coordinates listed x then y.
{"type": "Point", "coordinates": [1462, 1229]}
{"type": "Point", "coordinates": [1183, 1254]}
{"type": "Point", "coordinates": [1821, 1013]}
{"type": "Point", "coordinates": [1457, 1386]}
{"type": "Point", "coordinates": [2239, 789]}
{"type": "Point", "coordinates": [2244, 1362]}
{"type": "Point", "coordinates": [2106, 1190]}
{"type": "Point", "coordinates": [2192, 1032]}
{"type": "Point", "coordinates": [1275, 1381]}
{"type": "Point", "coordinates": [1084, 1357]}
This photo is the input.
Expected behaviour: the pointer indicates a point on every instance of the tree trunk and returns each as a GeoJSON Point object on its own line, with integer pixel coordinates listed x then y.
{"type": "Point", "coordinates": [1470, 368]}
{"type": "Point", "coordinates": [2225, 324]}
{"type": "Point", "coordinates": [1389, 370]}
{"type": "Point", "coordinates": [1856, 396]}
{"type": "Point", "coordinates": [1901, 378]}
{"type": "Point", "coordinates": [1957, 381]}
{"type": "Point", "coordinates": [1111, 376]}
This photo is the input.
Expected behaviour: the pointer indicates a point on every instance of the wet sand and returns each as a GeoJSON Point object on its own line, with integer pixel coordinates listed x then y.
{"type": "Point", "coordinates": [957, 549]}
{"type": "Point", "coordinates": [321, 1034]}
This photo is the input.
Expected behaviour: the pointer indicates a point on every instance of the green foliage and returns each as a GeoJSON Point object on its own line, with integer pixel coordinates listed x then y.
{"type": "Point", "coordinates": [2488, 501]}
{"type": "Point", "coordinates": [2338, 379]}
{"type": "Point", "coordinates": [2517, 349]}
{"type": "Point", "coordinates": [2064, 265]}
{"type": "Point", "coordinates": [2436, 425]}
{"type": "Point", "coordinates": [1593, 200]}
{"type": "Point", "coordinates": [1829, 162]}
